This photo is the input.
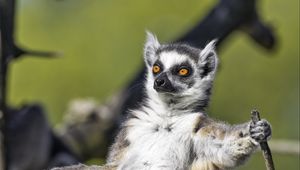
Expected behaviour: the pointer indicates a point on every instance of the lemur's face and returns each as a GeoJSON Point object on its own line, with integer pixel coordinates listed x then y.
{"type": "Point", "coordinates": [173, 72]}
{"type": "Point", "coordinates": [177, 69]}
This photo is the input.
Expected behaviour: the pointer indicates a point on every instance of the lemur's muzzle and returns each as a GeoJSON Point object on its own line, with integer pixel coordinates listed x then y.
{"type": "Point", "coordinates": [163, 84]}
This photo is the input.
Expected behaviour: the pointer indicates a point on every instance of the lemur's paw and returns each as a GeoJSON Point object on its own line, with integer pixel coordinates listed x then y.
{"type": "Point", "coordinates": [243, 146]}
{"type": "Point", "coordinates": [240, 147]}
{"type": "Point", "coordinates": [260, 131]}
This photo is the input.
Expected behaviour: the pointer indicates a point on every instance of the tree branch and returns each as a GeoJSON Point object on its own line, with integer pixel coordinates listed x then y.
{"type": "Point", "coordinates": [263, 145]}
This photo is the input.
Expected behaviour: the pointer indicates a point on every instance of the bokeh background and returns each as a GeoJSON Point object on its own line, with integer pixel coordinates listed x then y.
{"type": "Point", "coordinates": [101, 43]}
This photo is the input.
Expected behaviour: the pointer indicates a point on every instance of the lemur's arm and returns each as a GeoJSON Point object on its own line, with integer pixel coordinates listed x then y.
{"type": "Point", "coordinates": [227, 146]}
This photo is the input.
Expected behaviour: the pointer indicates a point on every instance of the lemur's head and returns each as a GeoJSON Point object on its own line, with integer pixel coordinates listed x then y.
{"type": "Point", "coordinates": [180, 72]}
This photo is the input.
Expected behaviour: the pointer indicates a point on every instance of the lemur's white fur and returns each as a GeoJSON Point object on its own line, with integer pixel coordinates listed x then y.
{"type": "Point", "coordinates": [176, 58]}
{"type": "Point", "coordinates": [163, 134]}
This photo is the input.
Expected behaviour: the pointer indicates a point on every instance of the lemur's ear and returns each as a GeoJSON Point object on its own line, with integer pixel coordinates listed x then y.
{"type": "Point", "coordinates": [208, 59]}
{"type": "Point", "coordinates": [150, 48]}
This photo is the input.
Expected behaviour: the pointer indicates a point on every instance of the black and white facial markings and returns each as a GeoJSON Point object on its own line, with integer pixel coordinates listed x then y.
{"type": "Point", "coordinates": [179, 69]}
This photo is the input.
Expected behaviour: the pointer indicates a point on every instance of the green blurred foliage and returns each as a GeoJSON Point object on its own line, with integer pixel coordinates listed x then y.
{"type": "Point", "coordinates": [102, 40]}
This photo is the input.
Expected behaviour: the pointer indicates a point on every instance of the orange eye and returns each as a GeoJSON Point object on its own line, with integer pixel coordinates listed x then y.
{"type": "Point", "coordinates": [183, 72]}
{"type": "Point", "coordinates": [156, 69]}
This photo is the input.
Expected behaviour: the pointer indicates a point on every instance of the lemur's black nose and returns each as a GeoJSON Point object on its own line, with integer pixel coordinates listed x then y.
{"type": "Point", "coordinates": [159, 82]}
{"type": "Point", "coordinates": [163, 84]}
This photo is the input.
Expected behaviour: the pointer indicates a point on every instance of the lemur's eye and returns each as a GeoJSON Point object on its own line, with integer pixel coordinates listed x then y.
{"type": "Point", "coordinates": [156, 69]}
{"type": "Point", "coordinates": [184, 72]}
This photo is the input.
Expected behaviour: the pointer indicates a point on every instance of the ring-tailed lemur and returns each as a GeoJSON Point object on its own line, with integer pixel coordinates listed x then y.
{"type": "Point", "coordinates": [170, 130]}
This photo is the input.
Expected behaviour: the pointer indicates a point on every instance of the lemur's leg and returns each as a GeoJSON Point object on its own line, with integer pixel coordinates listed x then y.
{"type": "Point", "coordinates": [225, 146]}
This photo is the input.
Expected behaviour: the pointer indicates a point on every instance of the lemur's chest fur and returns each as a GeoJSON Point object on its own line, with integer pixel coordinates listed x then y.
{"type": "Point", "coordinates": [159, 142]}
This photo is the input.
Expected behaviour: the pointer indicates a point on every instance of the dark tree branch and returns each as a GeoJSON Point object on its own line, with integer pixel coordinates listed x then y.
{"type": "Point", "coordinates": [9, 49]}
{"type": "Point", "coordinates": [263, 145]}
{"type": "Point", "coordinates": [8, 52]}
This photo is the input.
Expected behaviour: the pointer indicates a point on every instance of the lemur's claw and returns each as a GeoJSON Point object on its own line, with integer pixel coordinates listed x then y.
{"type": "Point", "coordinates": [260, 131]}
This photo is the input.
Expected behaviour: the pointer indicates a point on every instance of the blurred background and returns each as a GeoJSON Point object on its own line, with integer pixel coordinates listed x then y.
{"type": "Point", "coordinates": [101, 46]}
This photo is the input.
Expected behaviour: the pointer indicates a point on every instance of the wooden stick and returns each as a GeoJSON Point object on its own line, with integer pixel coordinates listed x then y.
{"type": "Point", "coordinates": [263, 145]}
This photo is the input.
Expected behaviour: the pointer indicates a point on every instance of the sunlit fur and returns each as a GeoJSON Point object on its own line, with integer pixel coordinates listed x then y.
{"type": "Point", "coordinates": [170, 129]}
